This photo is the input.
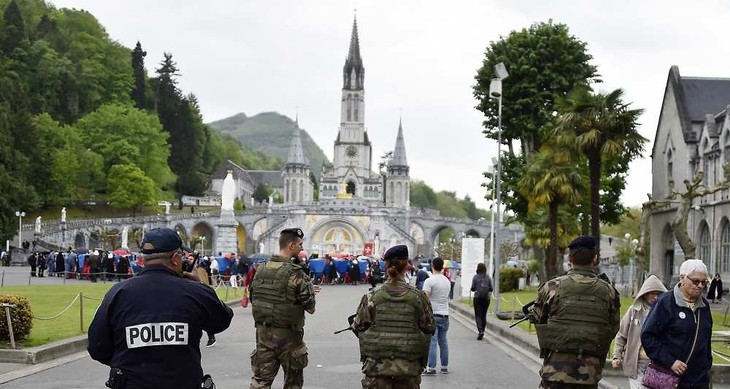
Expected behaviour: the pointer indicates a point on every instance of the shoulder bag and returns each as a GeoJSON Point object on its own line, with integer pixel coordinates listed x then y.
{"type": "Point", "coordinates": [658, 377]}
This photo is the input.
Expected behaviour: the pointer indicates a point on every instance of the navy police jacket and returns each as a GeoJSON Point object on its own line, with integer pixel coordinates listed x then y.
{"type": "Point", "coordinates": [150, 327]}
{"type": "Point", "coordinates": [669, 330]}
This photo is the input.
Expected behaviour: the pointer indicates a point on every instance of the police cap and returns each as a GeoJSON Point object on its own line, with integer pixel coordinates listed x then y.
{"type": "Point", "coordinates": [396, 252]}
{"type": "Point", "coordinates": [293, 231]}
{"type": "Point", "coordinates": [582, 242]}
{"type": "Point", "coordinates": [160, 240]}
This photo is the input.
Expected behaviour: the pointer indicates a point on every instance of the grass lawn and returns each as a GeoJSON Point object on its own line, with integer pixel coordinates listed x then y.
{"type": "Point", "coordinates": [49, 300]}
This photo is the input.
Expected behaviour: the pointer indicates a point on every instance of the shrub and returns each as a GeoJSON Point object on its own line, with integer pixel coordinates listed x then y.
{"type": "Point", "coordinates": [21, 316]}
{"type": "Point", "coordinates": [509, 279]}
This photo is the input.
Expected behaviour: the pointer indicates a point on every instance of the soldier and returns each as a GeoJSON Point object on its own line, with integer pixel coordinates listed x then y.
{"type": "Point", "coordinates": [577, 316]}
{"type": "Point", "coordinates": [280, 293]}
{"type": "Point", "coordinates": [394, 323]}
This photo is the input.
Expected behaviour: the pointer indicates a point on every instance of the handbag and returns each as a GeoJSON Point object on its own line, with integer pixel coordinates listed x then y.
{"type": "Point", "coordinates": [659, 377]}
{"type": "Point", "coordinates": [244, 299]}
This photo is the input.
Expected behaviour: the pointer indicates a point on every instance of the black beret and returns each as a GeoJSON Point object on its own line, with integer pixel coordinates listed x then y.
{"type": "Point", "coordinates": [293, 231]}
{"type": "Point", "coordinates": [582, 242]}
{"type": "Point", "coordinates": [160, 240]}
{"type": "Point", "coordinates": [396, 252]}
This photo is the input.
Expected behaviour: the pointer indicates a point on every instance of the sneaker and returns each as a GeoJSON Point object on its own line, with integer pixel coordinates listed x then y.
{"type": "Point", "coordinates": [443, 371]}
{"type": "Point", "coordinates": [429, 371]}
{"type": "Point", "coordinates": [211, 341]}
{"type": "Point", "coordinates": [480, 336]}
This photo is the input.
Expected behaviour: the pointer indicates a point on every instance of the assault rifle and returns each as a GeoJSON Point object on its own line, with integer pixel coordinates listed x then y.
{"type": "Point", "coordinates": [350, 319]}
{"type": "Point", "coordinates": [529, 315]}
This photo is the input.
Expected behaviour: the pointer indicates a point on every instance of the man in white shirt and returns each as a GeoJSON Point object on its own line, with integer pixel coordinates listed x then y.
{"type": "Point", "coordinates": [437, 289]}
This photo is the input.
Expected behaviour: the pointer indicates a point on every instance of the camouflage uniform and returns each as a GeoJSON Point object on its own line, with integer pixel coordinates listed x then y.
{"type": "Point", "coordinates": [393, 373]}
{"type": "Point", "coordinates": [277, 346]}
{"type": "Point", "coordinates": [569, 369]}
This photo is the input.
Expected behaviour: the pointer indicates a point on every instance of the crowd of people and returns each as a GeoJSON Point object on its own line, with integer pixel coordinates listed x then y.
{"type": "Point", "coordinates": [91, 265]}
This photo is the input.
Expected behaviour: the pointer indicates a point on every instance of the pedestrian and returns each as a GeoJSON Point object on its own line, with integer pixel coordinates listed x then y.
{"type": "Point", "coordinates": [41, 260]}
{"type": "Point", "coordinates": [394, 324]}
{"type": "Point", "coordinates": [421, 276]}
{"type": "Point", "coordinates": [214, 271]}
{"type": "Point", "coordinates": [627, 352]}
{"type": "Point", "coordinates": [451, 275]}
{"type": "Point", "coordinates": [94, 263]}
{"type": "Point", "coordinates": [51, 263]}
{"type": "Point", "coordinates": [148, 328]}
{"type": "Point", "coordinates": [60, 264]}
{"type": "Point", "coordinates": [376, 274]}
{"type": "Point", "coordinates": [354, 271]}
{"type": "Point", "coordinates": [71, 263]}
{"type": "Point", "coordinates": [281, 293]}
{"type": "Point", "coordinates": [715, 291]}
{"type": "Point", "coordinates": [33, 262]}
{"type": "Point", "coordinates": [576, 317]}
{"type": "Point", "coordinates": [481, 285]}
{"type": "Point", "coordinates": [677, 333]}
{"type": "Point", "coordinates": [234, 271]}
{"type": "Point", "coordinates": [437, 289]}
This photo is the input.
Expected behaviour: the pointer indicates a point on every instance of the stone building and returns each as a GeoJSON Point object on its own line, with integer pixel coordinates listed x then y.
{"type": "Point", "coordinates": [692, 135]}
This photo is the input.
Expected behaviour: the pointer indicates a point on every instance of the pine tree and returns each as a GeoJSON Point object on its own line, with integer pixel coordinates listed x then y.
{"type": "Point", "coordinates": [13, 31]}
{"type": "Point", "coordinates": [139, 90]}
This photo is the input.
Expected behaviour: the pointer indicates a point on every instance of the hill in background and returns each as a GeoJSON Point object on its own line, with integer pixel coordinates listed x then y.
{"type": "Point", "coordinates": [270, 133]}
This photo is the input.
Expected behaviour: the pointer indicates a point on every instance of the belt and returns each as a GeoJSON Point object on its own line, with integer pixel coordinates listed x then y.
{"type": "Point", "coordinates": [437, 315]}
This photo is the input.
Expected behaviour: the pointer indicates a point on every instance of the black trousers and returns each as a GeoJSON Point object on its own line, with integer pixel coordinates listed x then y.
{"type": "Point", "coordinates": [480, 312]}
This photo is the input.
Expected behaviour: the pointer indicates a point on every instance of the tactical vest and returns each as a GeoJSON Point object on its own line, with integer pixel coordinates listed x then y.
{"type": "Point", "coordinates": [394, 332]}
{"type": "Point", "coordinates": [581, 324]}
{"type": "Point", "coordinates": [270, 303]}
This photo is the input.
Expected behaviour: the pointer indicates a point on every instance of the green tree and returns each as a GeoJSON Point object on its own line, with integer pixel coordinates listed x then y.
{"type": "Point", "coordinates": [130, 188]}
{"type": "Point", "coordinates": [422, 195]}
{"type": "Point", "coordinates": [538, 77]}
{"type": "Point", "coordinates": [122, 134]}
{"type": "Point", "coordinates": [552, 180]}
{"type": "Point", "coordinates": [13, 31]}
{"type": "Point", "coordinates": [600, 126]}
{"type": "Point", "coordinates": [260, 194]}
{"type": "Point", "coordinates": [139, 92]}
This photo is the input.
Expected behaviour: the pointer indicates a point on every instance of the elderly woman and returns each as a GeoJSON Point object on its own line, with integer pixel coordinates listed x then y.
{"type": "Point", "coordinates": [678, 331]}
{"type": "Point", "coordinates": [627, 352]}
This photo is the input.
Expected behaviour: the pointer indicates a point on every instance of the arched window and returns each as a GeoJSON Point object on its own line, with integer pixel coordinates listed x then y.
{"type": "Point", "coordinates": [670, 165]}
{"type": "Point", "coordinates": [705, 245]}
{"type": "Point", "coordinates": [725, 248]}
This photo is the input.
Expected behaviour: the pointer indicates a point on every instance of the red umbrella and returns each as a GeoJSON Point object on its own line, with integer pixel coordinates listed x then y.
{"type": "Point", "coordinates": [120, 252]}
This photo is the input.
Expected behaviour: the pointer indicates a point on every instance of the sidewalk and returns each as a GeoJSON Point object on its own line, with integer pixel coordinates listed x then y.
{"type": "Point", "coordinates": [524, 342]}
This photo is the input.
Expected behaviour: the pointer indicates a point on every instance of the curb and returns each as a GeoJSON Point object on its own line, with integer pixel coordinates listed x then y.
{"type": "Point", "coordinates": [57, 349]}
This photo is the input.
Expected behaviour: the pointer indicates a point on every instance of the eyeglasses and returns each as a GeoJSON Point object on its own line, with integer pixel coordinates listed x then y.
{"type": "Point", "coordinates": [695, 282]}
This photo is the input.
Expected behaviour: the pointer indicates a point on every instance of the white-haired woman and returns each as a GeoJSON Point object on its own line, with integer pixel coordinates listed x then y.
{"type": "Point", "coordinates": [678, 330]}
{"type": "Point", "coordinates": [627, 352]}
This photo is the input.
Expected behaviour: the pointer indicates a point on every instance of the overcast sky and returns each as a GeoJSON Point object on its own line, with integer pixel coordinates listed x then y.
{"type": "Point", "coordinates": [420, 58]}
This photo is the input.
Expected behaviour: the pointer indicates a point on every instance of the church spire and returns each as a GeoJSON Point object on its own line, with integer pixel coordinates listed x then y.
{"type": "Point", "coordinates": [296, 153]}
{"type": "Point", "coordinates": [353, 71]}
{"type": "Point", "coordinates": [399, 153]}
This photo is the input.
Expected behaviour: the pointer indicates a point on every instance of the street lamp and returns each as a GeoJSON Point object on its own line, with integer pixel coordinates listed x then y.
{"type": "Point", "coordinates": [202, 244]}
{"type": "Point", "coordinates": [633, 244]}
{"type": "Point", "coordinates": [495, 91]}
{"type": "Point", "coordinates": [20, 215]}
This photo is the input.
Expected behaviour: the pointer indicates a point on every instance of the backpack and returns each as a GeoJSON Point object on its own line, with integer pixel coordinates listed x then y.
{"type": "Point", "coordinates": [484, 287]}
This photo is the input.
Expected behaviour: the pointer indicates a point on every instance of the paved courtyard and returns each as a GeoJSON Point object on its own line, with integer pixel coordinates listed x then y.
{"type": "Point", "coordinates": [333, 359]}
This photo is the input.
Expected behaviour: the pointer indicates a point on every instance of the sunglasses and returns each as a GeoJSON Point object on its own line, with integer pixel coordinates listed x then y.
{"type": "Point", "coordinates": [695, 282]}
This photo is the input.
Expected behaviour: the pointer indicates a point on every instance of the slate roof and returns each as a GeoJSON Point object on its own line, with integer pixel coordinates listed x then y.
{"type": "Point", "coordinates": [271, 177]}
{"type": "Point", "coordinates": [238, 172]}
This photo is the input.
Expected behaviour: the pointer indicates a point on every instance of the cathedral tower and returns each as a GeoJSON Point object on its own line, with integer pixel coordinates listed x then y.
{"type": "Point", "coordinates": [353, 153]}
{"type": "Point", "coordinates": [297, 185]}
{"type": "Point", "coordinates": [398, 183]}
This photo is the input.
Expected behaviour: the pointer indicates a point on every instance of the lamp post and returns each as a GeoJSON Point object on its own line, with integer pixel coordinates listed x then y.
{"type": "Point", "coordinates": [495, 91]}
{"type": "Point", "coordinates": [202, 244]}
{"type": "Point", "coordinates": [633, 244]}
{"type": "Point", "coordinates": [20, 215]}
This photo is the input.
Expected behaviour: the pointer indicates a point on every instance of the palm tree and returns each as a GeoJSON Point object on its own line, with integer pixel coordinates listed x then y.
{"type": "Point", "coordinates": [552, 179]}
{"type": "Point", "coordinates": [600, 126]}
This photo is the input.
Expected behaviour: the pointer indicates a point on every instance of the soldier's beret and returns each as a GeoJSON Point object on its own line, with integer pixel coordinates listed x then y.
{"type": "Point", "coordinates": [582, 242]}
{"type": "Point", "coordinates": [293, 231]}
{"type": "Point", "coordinates": [160, 240]}
{"type": "Point", "coordinates": [396, 252]}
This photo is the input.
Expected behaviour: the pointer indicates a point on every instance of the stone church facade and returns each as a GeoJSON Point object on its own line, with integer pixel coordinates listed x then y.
{"type": "Point", "coordinates": [693, 135]}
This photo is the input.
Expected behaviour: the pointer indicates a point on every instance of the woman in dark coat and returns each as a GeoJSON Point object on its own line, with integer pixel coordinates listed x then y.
{"type": "Point", "coordinates": [60, 264]}
{"type": "Point", "coordinates": [715, 291]}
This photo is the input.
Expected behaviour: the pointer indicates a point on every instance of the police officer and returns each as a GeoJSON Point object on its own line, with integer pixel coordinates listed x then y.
{"type": "Point", "coordinates": [148, 328]}
{"type": "Point", "coordinates": [577, 316]}
{"type": "Point", "coordinates": [281, 292]}
{"type": "Point", "coordinates": [394, 323]}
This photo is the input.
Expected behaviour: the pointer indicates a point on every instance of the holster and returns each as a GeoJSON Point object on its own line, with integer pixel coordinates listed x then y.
{"type": "Point", "coordinates": [116, 379]}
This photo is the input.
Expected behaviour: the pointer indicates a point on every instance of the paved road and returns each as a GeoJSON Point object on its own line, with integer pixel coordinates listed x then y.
{"type": "Point", "coordinates": [333, 359]}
